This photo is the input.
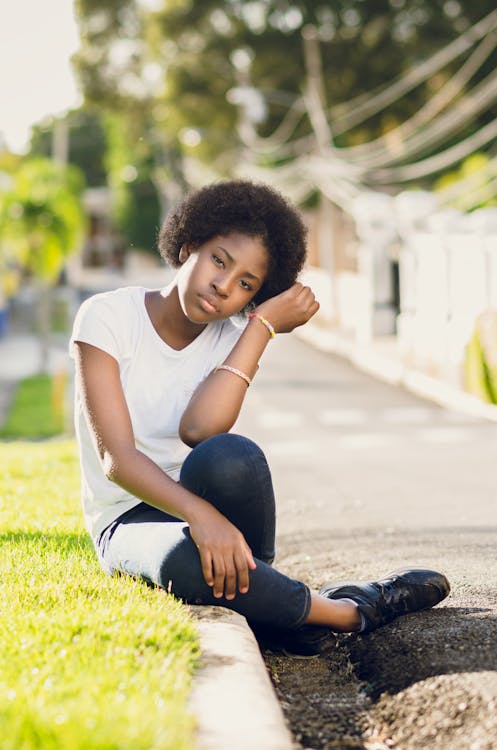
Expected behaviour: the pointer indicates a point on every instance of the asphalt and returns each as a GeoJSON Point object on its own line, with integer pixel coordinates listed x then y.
{"type": "Point", "coordinates": [233, 672]}
{"type": "Point", "coordinates": [369, 478]}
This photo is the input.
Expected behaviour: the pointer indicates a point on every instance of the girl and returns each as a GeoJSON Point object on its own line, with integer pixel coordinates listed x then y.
{"type": "Point", "coordinates": [169, 494]}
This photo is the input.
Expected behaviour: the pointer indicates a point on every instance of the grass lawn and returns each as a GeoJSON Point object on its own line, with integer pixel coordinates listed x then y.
{"type": "Point", "coordinates": [37, 410]}
{"type": "Point", "coordinates": [87, 662]}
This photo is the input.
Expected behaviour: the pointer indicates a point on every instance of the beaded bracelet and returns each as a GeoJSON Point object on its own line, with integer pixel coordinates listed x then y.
{"type": "Point", "coordinates": [265, 323]}
{"type": "Point", "coordinates": [235, 372]}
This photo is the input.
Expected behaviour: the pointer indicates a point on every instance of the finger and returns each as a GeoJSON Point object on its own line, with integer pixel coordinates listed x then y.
{"type": "Point", "coordinates": [314, 308]}
{"type": "Point", "coordinates": [219, 573]}
{"type": "Point", "coordinates": [242, 570]}
{"type": "Point", "coordinates": [206, 563]}
{"type": "Point", "coordinates": [306, 299]}
{"type": "Point", "coordinates": [230, 582]}
{"type": "Point", "coordinates": [308, 295]}
{"type": "Point", "coordinates": [294, 290]}
{"type": "Point", "coordinates": [250, 558]}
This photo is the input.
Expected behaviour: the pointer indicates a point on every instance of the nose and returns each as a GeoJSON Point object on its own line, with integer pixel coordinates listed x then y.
{"type": "Point", "coordinates": [221, 285]}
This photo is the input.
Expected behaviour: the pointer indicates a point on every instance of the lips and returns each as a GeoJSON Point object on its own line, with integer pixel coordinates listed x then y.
{"type": "Point", "coordinates": [208, 303]}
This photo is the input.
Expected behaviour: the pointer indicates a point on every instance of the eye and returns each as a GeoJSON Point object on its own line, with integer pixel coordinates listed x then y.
{"type": "Point", "coordinates": [245, 285]}
{"type": "Point", "coordinates": [217, 260]}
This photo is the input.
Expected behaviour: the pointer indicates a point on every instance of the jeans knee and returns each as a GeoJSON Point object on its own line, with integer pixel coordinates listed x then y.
{"type": "Point", "coordinates": [227, 460]}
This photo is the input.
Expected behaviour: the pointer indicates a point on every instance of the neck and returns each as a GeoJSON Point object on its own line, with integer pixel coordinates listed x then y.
{"type": "Point", "coordinates": [169, 320]}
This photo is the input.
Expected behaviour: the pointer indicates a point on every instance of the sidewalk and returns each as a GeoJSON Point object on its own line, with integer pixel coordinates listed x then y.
{"type": "Point", "coordinates": [381, 359]}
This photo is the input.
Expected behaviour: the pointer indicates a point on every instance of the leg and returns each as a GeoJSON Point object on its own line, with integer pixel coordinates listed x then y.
{"type": "Point", "coordinates": [231, 472]}
{"type": "Point", "coordinates": [147, 544]}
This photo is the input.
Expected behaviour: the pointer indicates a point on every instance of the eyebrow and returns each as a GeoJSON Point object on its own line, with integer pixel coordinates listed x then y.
{"type": "Point", "coordinates": [247, 273]}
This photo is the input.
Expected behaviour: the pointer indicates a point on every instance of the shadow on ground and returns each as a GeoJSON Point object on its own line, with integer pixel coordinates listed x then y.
{"type": "Point", "coordinates": [432, 679]}
{"type": "Point", "coordinates": [444, 641]}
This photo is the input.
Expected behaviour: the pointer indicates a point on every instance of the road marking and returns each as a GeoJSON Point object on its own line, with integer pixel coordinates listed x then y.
{"type": "Point", "coordinates": [445, 435]}
{"type": "Point", "coordinates": [367, 440]}
{"type": "Point", "coordinates": [289, 448]}
{"type": "Point", "coordinates": [274, 419]}
{"type": "Point", "coordinates": [370, 440]}
{"type": "Point", "coordinates": [342, 417]}
{"type": "Point", "coordinates": [406, 415]}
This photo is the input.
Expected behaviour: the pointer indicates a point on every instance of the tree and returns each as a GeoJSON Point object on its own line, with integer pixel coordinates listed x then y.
{"type": "Point", "coordinates": [182, 68]}
{"type": "Point", "coordinates": [108, 154]}
{"type": "Point", "coordinates": [41, 223]}
{"type": "Point", "coordinates": [9, 265]}
{"type": "Point", "coordinates": [130, 163]}
{"type": "Point", "coordinates": [87, 143]}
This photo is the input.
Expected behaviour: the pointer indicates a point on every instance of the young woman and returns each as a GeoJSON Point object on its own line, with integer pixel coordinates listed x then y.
{"type": "Point", "coordinates": [169, 494]}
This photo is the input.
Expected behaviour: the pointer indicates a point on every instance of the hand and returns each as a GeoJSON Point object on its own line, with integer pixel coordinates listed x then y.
{"type": "Point", "coordinates": [225, 556]}
{"type": "Point", "coordinates": [290, 309]}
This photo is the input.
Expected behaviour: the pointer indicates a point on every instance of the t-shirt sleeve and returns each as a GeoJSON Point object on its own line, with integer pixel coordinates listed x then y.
{"type": "Point", "coordinates": [101, 321]}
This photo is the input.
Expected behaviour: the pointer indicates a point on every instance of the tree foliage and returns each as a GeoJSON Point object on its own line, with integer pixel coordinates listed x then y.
{"type": "Point", "coordinates": [130, 165]}
{"type": "Point", "coordinates": [41, 217]}
{"type": "Point", "coordinates": [86, 143]}
{"type": "Point", "coordinates": [178, 68]}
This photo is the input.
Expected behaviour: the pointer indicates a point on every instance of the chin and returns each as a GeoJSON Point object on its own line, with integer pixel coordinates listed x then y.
{"type": "Point", "coordinates": [198, 317]}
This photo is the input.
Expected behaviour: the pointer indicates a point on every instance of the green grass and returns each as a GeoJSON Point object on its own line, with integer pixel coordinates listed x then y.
{"type": "Point", "coordinates": [37, 410]}
{"type": "Point", "coordinates": [87, 662]}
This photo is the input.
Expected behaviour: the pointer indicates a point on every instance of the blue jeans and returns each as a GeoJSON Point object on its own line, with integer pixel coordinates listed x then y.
{"type": "Point", "coordinates": [230, 472]}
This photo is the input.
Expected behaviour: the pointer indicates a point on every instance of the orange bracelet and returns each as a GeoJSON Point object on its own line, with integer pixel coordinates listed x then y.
{"type": "Point", "coordinates": [265, 323]}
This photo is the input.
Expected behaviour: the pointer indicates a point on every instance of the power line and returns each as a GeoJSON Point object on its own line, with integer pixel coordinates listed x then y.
{"type": "Point", "coordinates": [437, 163]}
{"type": "Point", "coordinates": [346, 116]}
{"type": "Point", "coordinates": [444, 126]}
{"type": "Point", "coordinates": [391, 140]}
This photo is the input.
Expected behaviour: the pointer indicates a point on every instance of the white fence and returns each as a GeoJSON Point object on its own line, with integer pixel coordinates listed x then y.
{"type": "Point", "coordinates": [447, 267]}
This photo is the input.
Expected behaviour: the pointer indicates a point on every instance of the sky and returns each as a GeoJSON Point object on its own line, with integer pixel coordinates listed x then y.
{"type": "Point", "coordinates": [37, 38]}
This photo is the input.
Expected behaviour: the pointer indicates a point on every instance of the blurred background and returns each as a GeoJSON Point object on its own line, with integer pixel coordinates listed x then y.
{"type": "Point", "coordinates": [377, 117]}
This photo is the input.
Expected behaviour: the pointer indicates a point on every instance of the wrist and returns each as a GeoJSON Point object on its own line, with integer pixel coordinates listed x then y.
{"type": "Point", "coordinates": [264, 322]}
{"type": "Point", "coordinates": [196, 509]}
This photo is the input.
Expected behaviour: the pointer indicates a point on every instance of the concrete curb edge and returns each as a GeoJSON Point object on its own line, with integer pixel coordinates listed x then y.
{"type": "Point", "coordinates": [232, 696]}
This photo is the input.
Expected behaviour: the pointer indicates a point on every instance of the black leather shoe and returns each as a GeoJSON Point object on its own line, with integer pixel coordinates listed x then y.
{"type": "Point", "coordinates": [399, 593]}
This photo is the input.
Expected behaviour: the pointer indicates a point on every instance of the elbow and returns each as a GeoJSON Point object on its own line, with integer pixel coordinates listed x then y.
{"type": "Point", "coordinates": [111, 468]}
{"type": "Point", "coordinates": [192, 434]}
{"type": "Point", "coordinates": [191, 437]}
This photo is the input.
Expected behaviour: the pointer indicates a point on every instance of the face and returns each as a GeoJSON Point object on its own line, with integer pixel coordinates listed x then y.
{"type": "Point", "coordinates": [220, 277]}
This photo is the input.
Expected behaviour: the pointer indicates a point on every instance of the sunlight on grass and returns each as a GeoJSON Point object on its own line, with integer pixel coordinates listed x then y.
{"type": "Point", "coordinates": [37, 410]}
{"type": "Point", "coordinates": [88, 662]}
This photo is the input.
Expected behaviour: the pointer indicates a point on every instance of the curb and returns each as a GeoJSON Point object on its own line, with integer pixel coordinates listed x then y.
{"type": "Point", "coordinates": [392, 370]}
{"type": "Point", "coordinates": [232, 696]}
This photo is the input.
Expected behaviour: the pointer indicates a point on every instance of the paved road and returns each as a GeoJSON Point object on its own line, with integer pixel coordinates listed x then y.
{"type": "Point", "coordinates": [370, 478]}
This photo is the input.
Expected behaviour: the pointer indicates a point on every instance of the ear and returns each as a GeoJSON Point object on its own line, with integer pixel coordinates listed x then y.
{"type": "Point", "coordinates": [184, 253]}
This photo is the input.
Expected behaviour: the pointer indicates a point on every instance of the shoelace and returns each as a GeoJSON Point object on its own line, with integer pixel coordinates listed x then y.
{"type": "Point", "coordinates": [395, 596]}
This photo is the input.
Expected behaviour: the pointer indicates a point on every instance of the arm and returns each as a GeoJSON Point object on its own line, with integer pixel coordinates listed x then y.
{"type": "Point", "coordinates": [224, 553]}
{"type": "Point", "coordinates": [286, 311]}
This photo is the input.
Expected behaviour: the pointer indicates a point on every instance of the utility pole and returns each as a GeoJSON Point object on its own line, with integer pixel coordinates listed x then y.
{"type": "Point", "coordinates": [314, 94]}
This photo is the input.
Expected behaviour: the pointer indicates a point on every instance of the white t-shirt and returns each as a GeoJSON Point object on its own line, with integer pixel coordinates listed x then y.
{"type": "Point", "coordinates": [158, 382]}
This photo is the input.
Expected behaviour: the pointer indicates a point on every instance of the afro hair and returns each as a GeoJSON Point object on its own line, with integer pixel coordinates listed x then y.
{"type": "Point", "coordinates": [255, 210]}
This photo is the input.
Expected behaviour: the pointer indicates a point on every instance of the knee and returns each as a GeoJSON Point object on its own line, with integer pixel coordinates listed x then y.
{"type": "Point", "coordinates": [227, 460]}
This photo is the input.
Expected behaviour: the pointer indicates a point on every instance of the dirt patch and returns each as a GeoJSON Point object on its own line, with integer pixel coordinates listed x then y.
{"type": "Point", "coordinates": [418, 682]}
{"type": "Point", "coordinates": [322, 700]}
